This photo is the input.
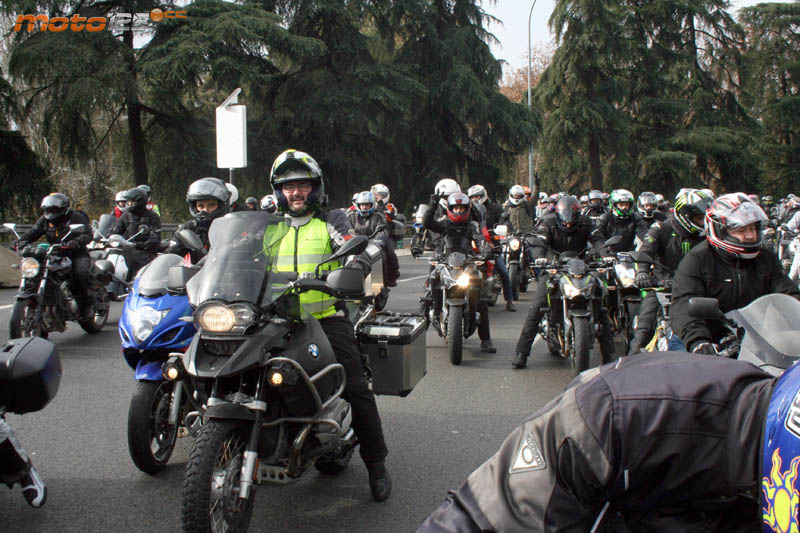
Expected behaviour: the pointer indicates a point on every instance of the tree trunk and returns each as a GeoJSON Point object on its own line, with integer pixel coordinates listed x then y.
{"type": "Point", "coordinates": [594, 161]}
{"type": "Point", "coordinates": [138, 155]}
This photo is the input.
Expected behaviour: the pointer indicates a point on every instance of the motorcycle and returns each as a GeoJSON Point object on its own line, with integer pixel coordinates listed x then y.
{"type": "Point", "coordinates": [153, 325]}
{"type": "Point", "coordinates": [265, 370]}
{"type": "Point", "coordinates": [516, 255]}
{"type": "Point", "coordinates": [30, 374]}
{"type": "Point", "coordinates": [100, 248]}
{"type": "Point", "coordinates": [766, 332]}
{"type": "Point", "coordinates": [45, 301]}
{"type": "Point", "coordinates": [575, 291]}
{"type": "Point", "coordinates": [451, 302]}
{"type": "Point", "coordinates": [626, 295]}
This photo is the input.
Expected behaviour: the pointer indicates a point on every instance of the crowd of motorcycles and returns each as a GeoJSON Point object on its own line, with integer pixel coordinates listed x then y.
{"type": "Point", "coordinates": [223, 352]}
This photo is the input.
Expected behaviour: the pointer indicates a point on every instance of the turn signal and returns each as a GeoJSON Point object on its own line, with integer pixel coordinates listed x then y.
{"type": "Point", "coordinates": [276, 379]}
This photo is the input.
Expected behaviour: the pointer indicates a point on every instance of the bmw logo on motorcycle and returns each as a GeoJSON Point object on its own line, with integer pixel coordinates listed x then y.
{"type": "Point", "coordinates": [313, 350]}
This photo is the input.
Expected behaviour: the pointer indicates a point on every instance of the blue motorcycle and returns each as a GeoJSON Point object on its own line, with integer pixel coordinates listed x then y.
{"type": "Point", "coordinates": [151, 326]}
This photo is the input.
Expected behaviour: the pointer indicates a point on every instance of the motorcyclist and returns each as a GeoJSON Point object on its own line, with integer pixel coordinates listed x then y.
{"type": "Point", "coordinates": [16, 467]}
{"type": "Point", "coordinates": [119, 204]}
{"type": "Point", "coordinates": [459, 233]}
{"type": "Point", "coordinates": [233, 201]}
{"type": "Point", "coordinates": [208, 201]}
{"type": "Point", "coordinates": [136, 215]}
{"type": "Point", "coordinates": [731, 266]}
{"type": "Point", "coordinates": [541, 207]}
{"type": "Point", "coordinates": [299, 189]}
{"type": "Point", "coordinates": [657, 442]}
{"type": "Point", "coordinates": [647, 205]}
{"type": "Point", "coordinates": [567, 231]}
{"type": "Point", "coordinates": [251, 203]}
{"type": "Point", "coordinates": [364, 221]}
{"type": "Point", "coordinates": [621, 220]}
{"type": "Point", "coordinates": [151, 205]}
{"type": "Point", "coordinates": [668, 243]}
{"type": "Point", "coordinates": [391, 214]}
{"type": "Point", "coordinates": [269, 203]}
{"type": "Point", "coordinates": [584, 199]}
{"type": "Point", "coordinates": [54, 225]}
{"type": "Point", "coordinates": [478, 196]}
{"type": "Point", "coordinates": [521, 213]}
{"type": "Point", "coordinates": [596, 206]}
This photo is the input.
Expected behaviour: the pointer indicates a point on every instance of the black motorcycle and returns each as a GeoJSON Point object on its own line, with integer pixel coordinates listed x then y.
{"type": "Point", "coordinates": [264, 369]}
{"type": "Point", "coordinates": [451, 300]}
{"type": "Point", "coordinates": [46, 301]}
{"type": "Point", "coordinates": [30, 373]}
{"type": "Point", "coordinates": [516, 255]}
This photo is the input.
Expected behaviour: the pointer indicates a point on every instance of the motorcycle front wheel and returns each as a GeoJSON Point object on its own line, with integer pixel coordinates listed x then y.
{"type": "Point", "coordinates": [211, 499]}
{"type": "Point", "coordinates": [22, 322]}
{"type": "Point", "coordinates": [581, 341]}
{"type": "Point", "coordinates": [98, 320]}
{"type": "Point", "coordinates": [455, 333]}
{"type": "Point", "coordinates": [151, 438]}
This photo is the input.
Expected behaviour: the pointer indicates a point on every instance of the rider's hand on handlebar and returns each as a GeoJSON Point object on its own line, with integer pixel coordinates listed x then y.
{"type": "Point", "coordinates": [644, 280]}
{"type": "Point", "coordinates": [19, 244]}
{"type": "Point", "coordinates": [706, 348]}
{"type": "Point", "coordinates": [70, 245]}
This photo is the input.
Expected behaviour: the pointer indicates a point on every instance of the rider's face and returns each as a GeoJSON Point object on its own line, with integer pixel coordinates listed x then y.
{"type": "Point", "coordinates": [746, 234]}
{"type": "Point", "coordinates": [296, 194]}
{"type": "Point", "coordinates": [207, 206]}
{"type": "Point", "coordinates": [459, 209]}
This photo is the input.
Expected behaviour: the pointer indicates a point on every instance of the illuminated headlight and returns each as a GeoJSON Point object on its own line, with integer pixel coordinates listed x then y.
{"type": "Point", "coordinates": [513, 244]}
{"type": "Point", "coordinates": [218, 318]}
{"type": "Point", "coordinates": [144, 320]}
{"type": "Point", "coordinates": [463, 280]}
{"type": "Point", "coordinates": [570, 291]}
{"type": "Point", "coordinates": [276, 378]}
{"type": "Point", "coordinates": [625, 275]}
{"type": "Point", "coordinates": [29, 267]}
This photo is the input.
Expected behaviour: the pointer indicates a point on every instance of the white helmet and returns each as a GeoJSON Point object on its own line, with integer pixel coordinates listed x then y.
{"type": "Point", "coordinates": [379, 190]}
{"type": "Point", "coordinates": [269, 203]}
{"type": "Point", "coordinates": [516, 195]}
{"type": "Point", "coordinates": [444, 188]}
{"type": "Point", "coordinates": [234, 193]}
{"type": "Point", "coordinates": [480, 191]}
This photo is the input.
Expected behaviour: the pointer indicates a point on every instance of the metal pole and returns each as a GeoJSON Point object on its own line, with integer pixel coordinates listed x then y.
{"type": "Point", "coordinates": [530, 150]}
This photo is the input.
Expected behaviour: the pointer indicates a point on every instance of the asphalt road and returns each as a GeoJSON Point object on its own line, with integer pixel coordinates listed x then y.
{"type": "Point", "coordinates": [452, 422]}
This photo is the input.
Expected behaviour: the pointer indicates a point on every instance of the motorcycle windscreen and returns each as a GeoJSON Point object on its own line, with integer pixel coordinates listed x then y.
{"type": "Point", "coordinates": [104, 225]}
{"type": "Point", "coordinates": [772, 328]}
{"type": "Point", "coordinates": [153, 277]}
{"type": "Point", "coordinates": [237, 267]}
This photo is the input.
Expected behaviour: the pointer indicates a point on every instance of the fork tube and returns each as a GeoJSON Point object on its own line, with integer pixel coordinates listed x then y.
{"type": "Point", "coordinates": [251, 454]}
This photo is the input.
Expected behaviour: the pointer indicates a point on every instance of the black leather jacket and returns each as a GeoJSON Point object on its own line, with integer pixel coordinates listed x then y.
{"type": "Point", "coordinates": [128, 225]}
{"type": "Point", "coordinates": [668, 242]}
{"type": "Point", "coordinates": [54, 232]}
{"type": "Point", "coordinates": [551, 235]}
{"type": "Point", "coordinates": [634, 226]}
{"type": "Point", "coordinates": [456, 237]}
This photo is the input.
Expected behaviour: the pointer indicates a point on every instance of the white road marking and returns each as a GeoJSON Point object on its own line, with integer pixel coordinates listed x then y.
{"type": "Point", "coordinates": [412, 279]}
{"type": "Point", "coordinates": [6, 306]}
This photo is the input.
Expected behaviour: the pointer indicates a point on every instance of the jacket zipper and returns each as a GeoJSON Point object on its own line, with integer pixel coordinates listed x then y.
{"type": "Point", "coordinates": [296, 237]}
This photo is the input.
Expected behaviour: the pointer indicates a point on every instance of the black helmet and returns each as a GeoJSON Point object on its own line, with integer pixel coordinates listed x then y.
{"type": "Point", "coordinates": [294, 165]}
{"type": "Point", "coordinates": [56, 206]}
{"type": "Point", "coordinates": [251, 201]}
{"type": "Point", "coordinates": [140, 197]}
{"type": "Point", "coordinates": [146, 188]}
{"type": "Point", "coordinates": [207, 189]}
{"type": "Point", "coordinates": [568, 210]}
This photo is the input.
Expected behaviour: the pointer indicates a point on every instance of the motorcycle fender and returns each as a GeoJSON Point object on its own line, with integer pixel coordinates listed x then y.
{"type": "Point", "coordinates": [580, 313]}
{"type": "Point", "coordinates": [456, 303]}
{"type": "Point", "coordinates": [148, 371]}
{"type": "Point", "coordinates": [230, 411]}
{"type": "Point", "coordinates": [25, 296]}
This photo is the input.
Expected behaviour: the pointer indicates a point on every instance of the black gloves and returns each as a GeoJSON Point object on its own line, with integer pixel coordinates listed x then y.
{"type": "Point", "coordinates": [433, 199]}
{"type": "Point", "coordinates": [644, 280]}
{"type": "Point", "coordinates": [19, 244]}
{"type": "Point", "coordinates": [416, 252]}
{"type": "Point", "coordinates": [72, 244]}
{"type": "Point", "coordinates": [707, 348]}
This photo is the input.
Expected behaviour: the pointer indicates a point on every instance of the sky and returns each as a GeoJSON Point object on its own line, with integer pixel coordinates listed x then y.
{"type": "Point", "coordinates": [513, 32]}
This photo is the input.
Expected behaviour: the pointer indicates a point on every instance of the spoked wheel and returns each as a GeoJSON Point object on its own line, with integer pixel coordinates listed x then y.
{"type": "Point", "coordinates": [23, 321]}
{"type": "Point", "coordinates": [211, 501]}
{"type": "Point", "coordinates": [99, 318]}
{"type": "Point", "coordinates": [151, 438]}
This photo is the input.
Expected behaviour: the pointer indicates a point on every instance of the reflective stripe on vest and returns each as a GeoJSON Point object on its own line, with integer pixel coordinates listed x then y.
{"type": "Point", "coordinates": [300, 250]}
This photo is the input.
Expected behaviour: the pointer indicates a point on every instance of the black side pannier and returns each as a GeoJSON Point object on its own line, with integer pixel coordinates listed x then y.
{"type": "Point", "coordinates": [397, 351]}
{"type": "Point", "coordinates": [30, 373]}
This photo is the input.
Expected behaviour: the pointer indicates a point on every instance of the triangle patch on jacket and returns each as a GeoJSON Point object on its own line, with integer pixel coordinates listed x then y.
{"type": "Point", "coordinates": [529, 457]}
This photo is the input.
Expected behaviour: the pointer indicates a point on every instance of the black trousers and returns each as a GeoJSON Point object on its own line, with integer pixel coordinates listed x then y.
{"type": "Point", "coordinates": [366, 420]}
{"type": "Point", "coordinates": [391, 267]}
{"type": "Point", "coordinates": [531, 326]}
{"type": "Point", "coordinates": [80, 274]}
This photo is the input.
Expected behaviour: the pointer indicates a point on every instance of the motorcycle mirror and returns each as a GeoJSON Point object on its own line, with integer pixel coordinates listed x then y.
{"type": "Point", "coordinates": [355, 245]}
{"type": "Point", "coordinates": [144, 228]}
{"type": "Point", "coordinates": [347, 282]}
{"type": "Point", "coordinates": [77, 228]}
{"type": "Point", "coordinates": [501, 230]}
{"type": "Point", "coordinates": [704, 308]}
{"type": "Point", "coordinates": [189, 239]}
{"type": "Point", "coordinates": [614, 239]}
{"type": "Point", "coordinates": [11, 227]}
{"type": "Point", "coordinates": [641, 257]}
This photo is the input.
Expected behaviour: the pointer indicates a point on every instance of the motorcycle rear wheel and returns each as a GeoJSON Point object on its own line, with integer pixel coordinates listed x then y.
{"type": "Point", "coordinates": [210, 499]}
{"type": "Point", "coordinates": [455, 333]}
{"type": "Point", "coordinates": [151, 438]}
{"type": "Point", "coordinates": [22, 318]}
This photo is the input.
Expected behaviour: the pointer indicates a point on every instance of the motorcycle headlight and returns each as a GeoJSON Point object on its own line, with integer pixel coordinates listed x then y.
{"type": "Point", "coordinates": [513, 244]}
{"type": "Point", "coordinates": [29, 267]}
{"type": "Point", "coordinates": [144, 320]}
{"type": "Point", "coordinates": [570, 291]}
{"type": "Point", "coordinates": [626, 276]}
{"type": "Point", "coordinates": [219, 318]}
{"type": "Point", "coordinates": [463, 280]}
